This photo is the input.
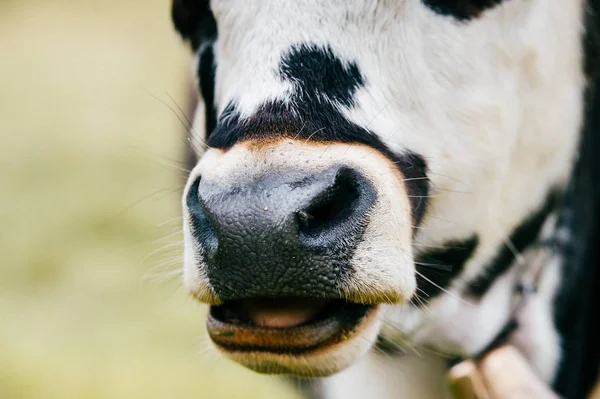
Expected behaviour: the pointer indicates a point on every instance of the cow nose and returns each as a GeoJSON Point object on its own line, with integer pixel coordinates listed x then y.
{"type": "Point", "coordinates": [281, 234]}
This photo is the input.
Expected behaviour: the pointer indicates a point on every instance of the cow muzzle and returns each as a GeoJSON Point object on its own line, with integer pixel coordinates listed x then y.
{"type": "Point", "coordinates": [296, 252]}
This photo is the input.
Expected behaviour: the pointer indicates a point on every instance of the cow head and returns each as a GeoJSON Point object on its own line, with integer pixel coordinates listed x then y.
{"type": "Point", "coordinates": [347, 143]}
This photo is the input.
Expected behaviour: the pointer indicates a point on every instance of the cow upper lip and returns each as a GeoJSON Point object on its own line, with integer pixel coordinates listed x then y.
{"type": "Point", "coordinates": [232, 328]}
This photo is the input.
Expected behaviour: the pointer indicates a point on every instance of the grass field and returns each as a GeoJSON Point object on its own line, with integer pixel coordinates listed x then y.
{"type": "Point", "coordinates": [90, 298]}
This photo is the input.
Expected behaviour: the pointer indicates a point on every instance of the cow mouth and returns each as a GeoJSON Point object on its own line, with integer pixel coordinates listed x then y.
{"type": "Point", "coordinates": [292, 326]}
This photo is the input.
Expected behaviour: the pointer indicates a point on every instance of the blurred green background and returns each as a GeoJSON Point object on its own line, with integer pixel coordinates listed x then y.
{"type": "Point", "coordinates": [91, 304]}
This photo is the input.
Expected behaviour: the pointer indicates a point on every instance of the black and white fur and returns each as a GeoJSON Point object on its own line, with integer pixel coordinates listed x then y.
{"type": "Point", "coordinates": [492, 101]}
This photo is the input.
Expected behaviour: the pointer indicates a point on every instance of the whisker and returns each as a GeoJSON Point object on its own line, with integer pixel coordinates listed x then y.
{"type": "Point", "coordinates": [313, 133]}
{"type": "Point", "coordinates": [416, 244]}
{"type": "Point", "coordinates": [177, 232]}
{"type": "Point", "coordinates": [511, 246]}
{"type": "Point", "coordinates": [182, 113]}
{"type": "Point", "coordinates": [163, 162]}
{"type": "Point", "coordinates": [158, 250]}
{"type": "Point", "coordinates": [421, 347]}
{"type": "Point", "coordinates": [412, 178]}
{"type": "Point", "coordinates": [300, 131]}
{"type": "Point", "coordinates": [443, 289]}
{"type": "Point", "coordinates": [375, 347]}
{"type": "Point", "coordinates": [167, 262]}
{"type": "Point", "coordinates": [423, 304]}
{"type": "Point", "coordinates": [379, 113]}
{"type": "Point", "coordinates": [165, 191]}
{"type": "Point", "coordinates": [169, 221]}
{"type": "Point", "coordinates": [400, 337]}
{"type": "Point", "coordinates": [445, 268]}
{"type": "Point", "coordinates": [446, 176]}
{"type": "Point", "coordinates": [422, 291]}
{"type": "Point", "coordinates": [424, 196]}
{"type": "Point", "coordinates": [326, 148]}
{"type": "Point", "coordinates": [186, 124]}
{"type": "Point", "coordinates": [162, 275]}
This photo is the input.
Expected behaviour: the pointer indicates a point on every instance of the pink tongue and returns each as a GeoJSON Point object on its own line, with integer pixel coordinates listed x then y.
{"type": "Point", "coordinates": [284, 315]}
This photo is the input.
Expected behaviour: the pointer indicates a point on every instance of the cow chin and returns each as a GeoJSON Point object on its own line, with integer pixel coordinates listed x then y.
{"type": "Point", "coordinates": [308, 320]}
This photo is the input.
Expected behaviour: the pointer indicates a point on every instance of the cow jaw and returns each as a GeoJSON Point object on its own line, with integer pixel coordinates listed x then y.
{"type": "Point", "coordinates": [308, 334]}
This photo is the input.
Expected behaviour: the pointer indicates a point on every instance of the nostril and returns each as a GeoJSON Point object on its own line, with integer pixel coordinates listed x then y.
{"type": "Point", "coordinates": [333, 205]}
{"type": "Point", "coordinates": [199, 224]}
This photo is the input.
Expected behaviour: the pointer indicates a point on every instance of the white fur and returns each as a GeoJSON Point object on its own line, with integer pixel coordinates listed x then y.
{"type": "Point", "coordinates": [494, 105]}
{"type": "Point", "coordinates": [418, 376]}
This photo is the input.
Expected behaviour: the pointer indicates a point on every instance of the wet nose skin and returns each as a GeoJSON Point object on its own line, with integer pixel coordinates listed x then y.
{"type": "Point", "coordinates": [280, 235]}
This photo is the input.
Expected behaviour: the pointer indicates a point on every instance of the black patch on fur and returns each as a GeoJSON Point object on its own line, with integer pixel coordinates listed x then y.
{"type": "Point", "coordinates": [579, 293]}
{"type": "Point", "coordinates": [462, 10]}
{"type": "Point", "coordinates": [523, 236]}
{"type": "Point", "coordinates": [439, 266]}
{"type": "Point", "coordinates": [414, 169]}
{"type": "Point", "coordinates": [194, 21]}
{"type": "Point", "coordinates": [206, 76]}
{"type": "Point", "coordinates": [322, 84]}
{"type": "Point", "coordinates": [591, 49]}
{"type": "Point", "coordinates": [319, 76]}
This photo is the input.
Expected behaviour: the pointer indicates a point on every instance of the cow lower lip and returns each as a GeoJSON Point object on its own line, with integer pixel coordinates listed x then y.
{"type": "Point", "coordinates": [282, 325]}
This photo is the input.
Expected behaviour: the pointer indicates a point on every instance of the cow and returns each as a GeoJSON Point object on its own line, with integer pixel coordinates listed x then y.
{"type": "Point", "coordinates": [386, 187]}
